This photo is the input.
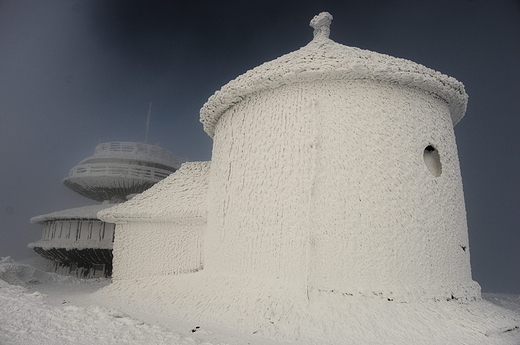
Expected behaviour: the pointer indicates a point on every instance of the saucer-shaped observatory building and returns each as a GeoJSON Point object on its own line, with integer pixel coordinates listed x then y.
{"type": "Point", "coordinates": [119, 169]}
{"type": "Point", "coordinates": [76, 240]}
{"type": "Point", "coordinates": [336, 169]}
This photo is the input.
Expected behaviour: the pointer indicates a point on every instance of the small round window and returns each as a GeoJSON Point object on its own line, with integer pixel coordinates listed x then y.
{"type": "Point", "coordinates": [432, 160]}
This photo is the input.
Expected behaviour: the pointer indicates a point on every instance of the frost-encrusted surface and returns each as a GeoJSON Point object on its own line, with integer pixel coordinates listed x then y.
{"type": "Point", "coordinates": [325, 60]}
{"type": "Point", "coordinates": [182, 194]}
{"type": "Point", "coordinates": [85, 212]}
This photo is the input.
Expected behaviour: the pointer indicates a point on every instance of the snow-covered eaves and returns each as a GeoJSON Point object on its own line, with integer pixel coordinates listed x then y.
{"type": "Point", "coordinates": [180, 195]}
{"type": "Point", "coordinates": [85, 212]}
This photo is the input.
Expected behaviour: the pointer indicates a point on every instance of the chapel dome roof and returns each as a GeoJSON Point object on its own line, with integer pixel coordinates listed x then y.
{"type": "Point", "coordinates": [324, 59]}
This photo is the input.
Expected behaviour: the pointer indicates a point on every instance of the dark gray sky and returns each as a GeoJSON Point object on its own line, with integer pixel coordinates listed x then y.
{"type": "Point", "coordinates": [75, 73]}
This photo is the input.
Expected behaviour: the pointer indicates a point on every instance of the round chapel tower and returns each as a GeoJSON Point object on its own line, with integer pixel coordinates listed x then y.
{"type": "Point", "coordinates": [336, 169]}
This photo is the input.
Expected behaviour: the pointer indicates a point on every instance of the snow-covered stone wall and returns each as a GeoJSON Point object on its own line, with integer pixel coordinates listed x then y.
{"type": "Point", "coordinates": [325, 183]}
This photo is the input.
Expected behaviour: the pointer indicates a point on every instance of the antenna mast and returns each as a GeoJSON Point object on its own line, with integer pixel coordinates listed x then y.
{"type": "Point", "coordinates": [148, 123]}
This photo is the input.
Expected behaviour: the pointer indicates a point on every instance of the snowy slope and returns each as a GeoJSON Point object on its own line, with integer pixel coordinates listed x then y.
{"type": "Point", "coordinates": [37, 307]}
{"type": "Point", "coordinates": [30, 317]}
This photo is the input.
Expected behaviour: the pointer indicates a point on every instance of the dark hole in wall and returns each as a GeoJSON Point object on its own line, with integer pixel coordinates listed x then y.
{"type": "Point", "coordinates": [432, 160]}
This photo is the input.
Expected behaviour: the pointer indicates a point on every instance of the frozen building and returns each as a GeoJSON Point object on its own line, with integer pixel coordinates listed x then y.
{"type": "Point", "coordinates": [334, 182]}
{"type": "Point", "coordinates": [161, 232]}
{"type": "Point", "coordinates": [76, 240]}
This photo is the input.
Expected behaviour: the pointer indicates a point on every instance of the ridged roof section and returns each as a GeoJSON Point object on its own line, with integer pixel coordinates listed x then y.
{"type": "Point", "coordinates": [324, 59]}
{"type": "Point", "coordinates": [180, 195]}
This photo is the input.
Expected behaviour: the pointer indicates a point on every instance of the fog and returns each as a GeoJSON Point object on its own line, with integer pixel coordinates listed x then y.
{"type": "Point", "coordinates": [76, 73]}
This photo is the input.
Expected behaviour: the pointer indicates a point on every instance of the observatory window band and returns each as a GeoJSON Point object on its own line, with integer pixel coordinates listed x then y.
{"type": "Point", "coordinates": [432, 160]}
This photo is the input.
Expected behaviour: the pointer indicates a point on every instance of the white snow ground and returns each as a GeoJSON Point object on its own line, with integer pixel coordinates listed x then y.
{"type": "Point", "coordinates": [41, 308]}
{"type": "Point", "coordinates": [37, 307]}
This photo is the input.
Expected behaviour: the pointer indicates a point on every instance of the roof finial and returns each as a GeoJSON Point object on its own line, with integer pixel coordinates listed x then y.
{"type": "Point", "coordinates": [321, 25]}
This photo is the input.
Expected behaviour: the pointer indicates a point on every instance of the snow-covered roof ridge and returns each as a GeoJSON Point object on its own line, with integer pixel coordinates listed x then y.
{"type": "Point", "coordinates": [85, 212]}
{"type": "Point", "coordinates": [180, 195]}
{"type": "Point", "coordinates": [324, 59]}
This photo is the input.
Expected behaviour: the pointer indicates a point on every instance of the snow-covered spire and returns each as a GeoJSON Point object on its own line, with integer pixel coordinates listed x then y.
{"type": "Point", "coordinates": [321, 24]}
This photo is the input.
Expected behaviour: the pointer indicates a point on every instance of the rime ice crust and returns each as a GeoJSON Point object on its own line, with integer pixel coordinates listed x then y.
{"type": "Point", "coordinates": [325, 60]}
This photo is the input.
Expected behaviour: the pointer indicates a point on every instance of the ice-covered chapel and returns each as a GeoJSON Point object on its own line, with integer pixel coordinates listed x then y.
{"type": "Point", "coordinates": [334, 176]}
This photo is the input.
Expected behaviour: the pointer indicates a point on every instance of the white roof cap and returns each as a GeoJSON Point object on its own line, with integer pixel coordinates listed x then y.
{"type": "Point", "coordinates": [324, 59]}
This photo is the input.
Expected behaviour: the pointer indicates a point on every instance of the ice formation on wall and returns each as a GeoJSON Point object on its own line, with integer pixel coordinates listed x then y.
{"type": "Point", "coordinates": [334, 178]}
